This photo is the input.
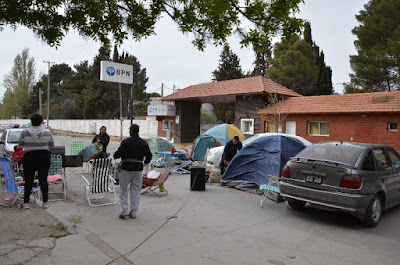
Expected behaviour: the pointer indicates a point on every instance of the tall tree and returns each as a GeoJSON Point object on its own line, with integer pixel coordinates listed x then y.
{"type": "Point", "coordinates": [210, 20]}
{"type": "Point", "coordinates": [376, 65]}
{"type": "Point", "coordinates": [99, 100]}
{"type": "Point", "coordinates": [229, 68]}
{"type": "Point", "coordinates": [18, 84]}
{"type": "Point", "coordinates": [323, 86]}
{"type": "Point", "coordinates": [263, 55]}
{"type": "Point", "coordinates": [294, 66]}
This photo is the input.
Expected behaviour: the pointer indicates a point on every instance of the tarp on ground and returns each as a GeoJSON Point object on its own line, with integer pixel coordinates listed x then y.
{"type": "Point", "coordinates": [225, 132]}
{"type": "Point", "coordinates": [201, 146]}
{"type": "Point", "coordinates": [264, 156]}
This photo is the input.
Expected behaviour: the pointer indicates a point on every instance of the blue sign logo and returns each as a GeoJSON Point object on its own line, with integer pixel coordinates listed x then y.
{"type": "Point", "coordinates": [110, 71]}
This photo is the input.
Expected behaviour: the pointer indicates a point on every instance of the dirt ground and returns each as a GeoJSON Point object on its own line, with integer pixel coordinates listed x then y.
{"type": "Point", "coordinates": [34, 223]}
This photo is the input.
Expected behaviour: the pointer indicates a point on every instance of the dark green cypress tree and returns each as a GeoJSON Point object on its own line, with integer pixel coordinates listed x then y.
{"type": "Point", "coordinates": [263, 55]}
{"type": "Point", "coordinates": [323, 85]}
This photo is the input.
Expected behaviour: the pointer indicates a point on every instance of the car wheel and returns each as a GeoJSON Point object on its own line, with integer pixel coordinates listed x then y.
{"type": "Point", "coordinates": [374, 212]}
{"type": "Point", "coordinates": [296, 204]}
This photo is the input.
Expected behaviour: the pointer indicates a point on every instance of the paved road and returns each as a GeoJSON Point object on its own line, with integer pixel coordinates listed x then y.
{"type": "Point", "coordinates": [218, 226]}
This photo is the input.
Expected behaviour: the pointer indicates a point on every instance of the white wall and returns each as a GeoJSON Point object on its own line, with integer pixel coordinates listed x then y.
{"type": "Point", "coordinates": [148, 128]}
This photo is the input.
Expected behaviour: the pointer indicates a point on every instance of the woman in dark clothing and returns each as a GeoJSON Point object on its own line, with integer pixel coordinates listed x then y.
{"type": "Point", "coordinates": [103, 138]}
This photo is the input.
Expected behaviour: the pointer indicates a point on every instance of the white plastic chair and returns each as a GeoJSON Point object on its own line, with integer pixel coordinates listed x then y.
{"type": "Point", "coordinates": [102, 182]}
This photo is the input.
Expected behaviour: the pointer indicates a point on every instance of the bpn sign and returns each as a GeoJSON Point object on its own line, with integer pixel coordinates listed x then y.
{"type": "Point", "coordinates": [116, 72]}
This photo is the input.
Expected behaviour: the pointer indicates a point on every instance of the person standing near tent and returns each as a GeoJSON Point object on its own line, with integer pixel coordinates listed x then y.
{"type": "Point", "coordinates": [132, 151]}
{"type": "Point", "coordinates": [230, 150]}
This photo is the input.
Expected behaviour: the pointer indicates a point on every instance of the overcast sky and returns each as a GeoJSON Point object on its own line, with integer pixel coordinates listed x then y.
{"type": "Point", "coordinates": [170, 57]}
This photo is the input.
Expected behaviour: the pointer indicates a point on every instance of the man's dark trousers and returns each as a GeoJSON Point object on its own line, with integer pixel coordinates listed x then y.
{"type": "Point", "coordinates": [36, 161]}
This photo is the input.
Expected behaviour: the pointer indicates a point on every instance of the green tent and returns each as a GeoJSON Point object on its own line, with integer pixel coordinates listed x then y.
{"type": "Point", "coordinates": [158, 144]}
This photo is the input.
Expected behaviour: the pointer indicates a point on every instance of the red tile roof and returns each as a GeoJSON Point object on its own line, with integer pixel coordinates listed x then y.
{"type": "Point", "coordinates": [249, 85]}
{"type": "Point", "coordinates": [348, 103]}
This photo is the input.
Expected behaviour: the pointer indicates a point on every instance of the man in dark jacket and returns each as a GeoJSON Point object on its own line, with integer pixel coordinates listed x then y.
{"type": "Point", "coordinates": [230, 150]}
{"type": "Point", "coordinates": [132, 151]}
{"type": "Point", "coordinates": [103, 138]}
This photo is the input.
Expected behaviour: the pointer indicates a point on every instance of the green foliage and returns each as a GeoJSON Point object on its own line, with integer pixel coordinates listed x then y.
{"type": "Point", "coordinates": [206, 118]}
{"type": "Point", "coordinates": [79, 93]}
{"type": "Point", "coordinates": [229, 66]}
{"type": "Point", "coordinates": [263, 54]}
{"type": "Point", "coordinates": [376, 65]}
{"type": "Point", "coordinates": [294, 66]}
{"type": "Point", "coordinates": [323, 85]}
{"type": "Point", "coordinates": [211, 21]}
{"type": "Point", "coordinates": [18, 83]}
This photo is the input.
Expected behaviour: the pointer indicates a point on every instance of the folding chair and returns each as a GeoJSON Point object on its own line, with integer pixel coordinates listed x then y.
{"type": "Point", "coordinates": [102, 182]}
{"type": "Point", "coordinates": [10, 190]}
{"type": "Point", "coordinates": [151, 185]}
{"type": "Point", "coordinates": [57, 177]}
{"type": "Point", "coordinates": [181, 168]}
{"type": "Point", "coordinates": [271, 187]}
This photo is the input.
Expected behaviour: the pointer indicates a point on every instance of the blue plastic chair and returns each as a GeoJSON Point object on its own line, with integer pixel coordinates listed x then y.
{"type": "Point", "coordinates": [10, 190]}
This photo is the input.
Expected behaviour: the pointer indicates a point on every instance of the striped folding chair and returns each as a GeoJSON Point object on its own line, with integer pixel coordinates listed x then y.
{"type": "Point", "coordinates": [102, 183]}
{"type": "Point", "coordinates": [10, 190]}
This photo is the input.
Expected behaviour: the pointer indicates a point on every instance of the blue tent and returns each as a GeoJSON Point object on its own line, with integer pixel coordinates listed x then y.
{"type": "Point", "coordinates": [265, 155]}
{"type": "Point", "coordinates": [201, 146]}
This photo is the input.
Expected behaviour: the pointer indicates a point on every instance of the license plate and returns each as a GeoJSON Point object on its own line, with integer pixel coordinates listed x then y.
{"type": "Point", "coordinates": [314, 179]}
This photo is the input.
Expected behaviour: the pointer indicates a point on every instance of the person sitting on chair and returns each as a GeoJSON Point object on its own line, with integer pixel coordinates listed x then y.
{"type": "Point", "coordinates": [102, 138]}
{"type": "Point", "coordinates": [230, 150]}
{"type": "Point", "coordinates": [18, 155]}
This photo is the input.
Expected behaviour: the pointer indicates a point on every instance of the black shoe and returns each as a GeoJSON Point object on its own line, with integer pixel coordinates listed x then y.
{"type": "Point", "coordinates": [123, 216]}
{"type": "Point", "coordinates": [132, 216]}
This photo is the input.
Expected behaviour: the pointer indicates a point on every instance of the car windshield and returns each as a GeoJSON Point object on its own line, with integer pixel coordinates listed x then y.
{"type": "Point", "coordinates": [13, 137]}
{"type": "Point", "coordinates": [332, 152]}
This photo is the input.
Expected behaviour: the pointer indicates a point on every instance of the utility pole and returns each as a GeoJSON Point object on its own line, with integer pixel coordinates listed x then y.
{"type": "Point", "coordinates": [48, 90]}
{"type": "Point", "coordinates": [40, 101]}
{"type": "Point", "coordinates": [162, 91]}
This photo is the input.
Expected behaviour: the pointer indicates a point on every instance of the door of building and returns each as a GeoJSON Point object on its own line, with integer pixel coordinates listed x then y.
{"type": "Point", "coordinates": [290, 127]}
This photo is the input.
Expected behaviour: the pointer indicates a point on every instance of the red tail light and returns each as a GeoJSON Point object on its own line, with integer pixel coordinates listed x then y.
{"type": "Point", "coordinates": [351, 181]}
{"type": "Point", "coordinates": [286, 172]}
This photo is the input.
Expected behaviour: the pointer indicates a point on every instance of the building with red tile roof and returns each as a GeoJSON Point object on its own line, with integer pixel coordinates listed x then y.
{"type": "Point", "coordinates": [226, 91]}
{"type": "Point", "coordinates": [248, 94]}
{"type": "Point", "coordinates": [363, 117]}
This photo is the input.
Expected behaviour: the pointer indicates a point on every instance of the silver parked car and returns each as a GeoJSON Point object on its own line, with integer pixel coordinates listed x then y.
{"type": "Point", "coordinates": [363, 179]}
{"type": "Point", "coordinates": [8, 140]}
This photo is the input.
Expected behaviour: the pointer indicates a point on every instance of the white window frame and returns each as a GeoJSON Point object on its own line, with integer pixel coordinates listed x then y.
{"type": "Point", "coordinates": [295, 127]}
{"type": "Point", "coordinates": [319, 128]}
{"type": "Point", "coordinates": [242, 126]}
{"type": "Point", "coordinates": [392, 130]}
